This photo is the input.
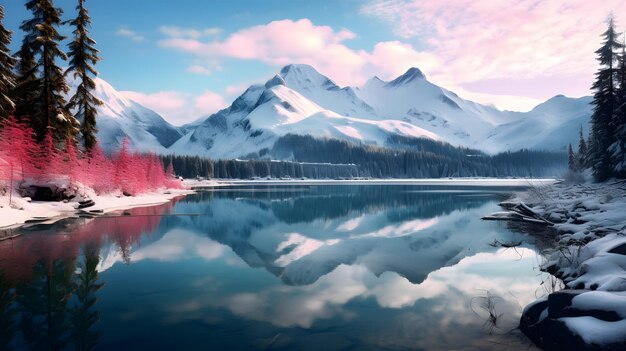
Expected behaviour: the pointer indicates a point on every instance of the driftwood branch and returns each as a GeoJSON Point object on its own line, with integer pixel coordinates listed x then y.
{"type": "Point", "coordinates": [517, 212]}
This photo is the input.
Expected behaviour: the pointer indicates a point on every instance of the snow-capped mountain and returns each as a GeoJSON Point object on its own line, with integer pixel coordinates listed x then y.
{"type": "Point", "coordinates": [300, 100]}
{"type": "Point", "coordinates": [551, 125]}
{"type": "Point", "coordinates": [120, 118]}
{"type": "Point", "coordinates": [412, 98]}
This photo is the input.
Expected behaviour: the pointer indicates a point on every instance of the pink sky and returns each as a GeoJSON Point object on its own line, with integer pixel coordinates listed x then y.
{"type": "Point", "coordinates": [512, 53]}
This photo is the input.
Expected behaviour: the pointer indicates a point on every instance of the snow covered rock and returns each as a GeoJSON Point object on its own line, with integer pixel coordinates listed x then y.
{"type": "Point", "coordinates": [577, 320]}
{"type": "Point", "coordinates": [590, 259]}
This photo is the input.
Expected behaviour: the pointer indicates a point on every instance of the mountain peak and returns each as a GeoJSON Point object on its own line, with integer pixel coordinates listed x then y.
{"type": "Point", "coordinates": [305, 77]}
{"type": "Point", "coordinates": [276, 80]}
{"type": "Point", "coordinates": [374, 82]}
{"type": "Point", "coordinates": [298, 68]}
{"type": "Point", "coordinates": [412, 74]}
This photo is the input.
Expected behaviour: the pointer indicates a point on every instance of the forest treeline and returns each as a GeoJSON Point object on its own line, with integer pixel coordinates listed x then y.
{"type": "Point", "coordinates": [332, 158]}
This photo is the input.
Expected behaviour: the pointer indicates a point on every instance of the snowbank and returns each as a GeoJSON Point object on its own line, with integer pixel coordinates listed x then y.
{"type": "Point", "coordinates": [589, 256]}
{"type": "Point", "coordinates": [23, 210]}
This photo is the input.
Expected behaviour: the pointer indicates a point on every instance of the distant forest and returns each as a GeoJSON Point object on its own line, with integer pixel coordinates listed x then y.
{"type": "Point", "coordinates": [309, 157]}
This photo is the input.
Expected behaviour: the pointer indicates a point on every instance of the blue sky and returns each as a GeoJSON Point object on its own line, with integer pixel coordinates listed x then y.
{"type": "Point", "coordinates": [188, 58]}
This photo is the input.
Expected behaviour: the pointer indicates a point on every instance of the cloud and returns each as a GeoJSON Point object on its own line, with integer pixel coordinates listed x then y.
{"type": "Point", "coordinates": [128, 33]}
{"type": "Point", "coordinates": [208, 102]}
{"type": "Point", "coordinates": [236, 89]}
{"type": "Point", "coordinates": [198, 69]}
{"type": "Point", "coordinates": [177, 107]}
{"type": "Point", "coordinates": [179, 32]}
{"type": "Point", "coordinates": [283, 42]}
{"type": "Point", "coordinates": [532, 42]}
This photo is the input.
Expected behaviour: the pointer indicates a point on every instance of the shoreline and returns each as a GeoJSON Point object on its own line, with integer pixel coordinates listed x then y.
{"type": "Point", "coordinates": [28, 212]}
{"type": "Point", "coordinates": [51, 212]}
{"type": "Point", "coordinates": [588, 254]}
{"type": "Point", "coordinates": [506, 182]}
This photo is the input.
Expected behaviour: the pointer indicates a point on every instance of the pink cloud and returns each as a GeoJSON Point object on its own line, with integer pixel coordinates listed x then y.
{"type": "Point", "coordinates": [236, 89]}
{"type": "Point", "coordinates": [491, 50]}
{"type": "Point", "coordinates": [208, 102]}
{"type": "Point", "coordinates": [283, 42]}
{"type": "Point", "coordinates": [179, 108]}
{"type": "Point", "coordinates": [482, 40]}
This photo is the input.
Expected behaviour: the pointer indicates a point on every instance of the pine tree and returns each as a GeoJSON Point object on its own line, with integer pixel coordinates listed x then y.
{"type": "Point", "coordinates": [571, 159]}
{"type": "Point", "coordinates": [83, 56]}
{"type": "Point", "coordinates": [43, 38]}
{"type": "Point", "coordinates": [27, 85]}
{"type": "Point", "coordinates": [84, 315]}
{"type": "Point", "coordinates": [618, 122]}
{"type": "Point", "coordinates": [7, 77]}
{"type": "Point", "coordinates": [582, 150]}
{"type": "Point", "coordinates": [604, 101]}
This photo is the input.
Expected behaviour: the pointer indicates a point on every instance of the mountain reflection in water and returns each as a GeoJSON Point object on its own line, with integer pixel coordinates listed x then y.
{"type": "Point", "coordinates": [332, 267]}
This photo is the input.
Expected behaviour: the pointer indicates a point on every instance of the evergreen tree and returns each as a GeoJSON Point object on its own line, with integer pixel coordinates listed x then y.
{"type": "Point", "coordinates": [571, 159]}
{"type": "Point", "coordinates": [7, 77]}
{"type": "Point", "coordinates": [605, 104]}
{"type": "Point", "coordinates": [582, 150]}
{"type": "Point", "coordinates": [83, 56]}
{"type": "Point", "coordinates": [84, 314]}
{"type": "Point", "coordinates": [27, 85]}
{"type": "Point", "coordinates": [618, 122]}
{"type": "Point", "coordinates": [43, 38]}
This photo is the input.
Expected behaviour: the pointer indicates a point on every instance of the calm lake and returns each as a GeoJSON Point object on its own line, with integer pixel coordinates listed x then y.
{"type": "Point", "coordinates": [328, 267]}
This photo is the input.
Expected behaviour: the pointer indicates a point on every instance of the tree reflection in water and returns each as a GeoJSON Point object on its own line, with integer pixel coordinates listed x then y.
{"type": "Point", "coordinates": [49, 280]}
{"type": "Point", "coordinates": [385, 267]}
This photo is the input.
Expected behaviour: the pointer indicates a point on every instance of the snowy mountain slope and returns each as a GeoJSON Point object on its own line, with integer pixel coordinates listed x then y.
{"type": "Point", "coordinates": [120, 118]}
{"type": "Point", "coordinates": [551, 125]}
{"type": "Point", "coordinates": [412, 98]}
{"type": "Point", "coordinates": [264, 113]}
{"type": "Point", "coordinates": [300, 100]}
{"type": "Point", "coordinates": [318, 88]}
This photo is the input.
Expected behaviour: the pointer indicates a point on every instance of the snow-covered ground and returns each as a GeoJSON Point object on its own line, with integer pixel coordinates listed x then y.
{"type": "Point", "coordinates": [16, 210]}
{"type": "Point", "coordinates": [21, 210]}
{"type": "Point", "coordinates": [589, 256]}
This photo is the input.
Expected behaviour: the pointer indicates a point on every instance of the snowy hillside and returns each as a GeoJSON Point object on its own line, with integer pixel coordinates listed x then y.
{"type": "Point", "coordinates": [413, 99]}
{"type": "Point", "coordinates": [300, 100]}
{"type": "Point", "coordinates": [120, 118]}
{"type": "Point", "coordinates": [549, 126]}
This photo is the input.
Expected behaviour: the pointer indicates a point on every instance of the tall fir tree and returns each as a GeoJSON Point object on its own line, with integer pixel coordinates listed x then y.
{"type": "Point", "coordinates": [605, 104]}
{"type": "Point", "coordinates": [83, 56]}
{"type": "Point", "coordinates": [43, 38]}
{"type": "Point", "coordinates": [27, 85]}
{"type": "Point", "coordinates": [582, 149]}
{"type": "Point", "coordinates": [7, 77]}
{"type": "Point", "coordinates": [618, 122]}
{"type": "Point", "coordinates": [571, 159]}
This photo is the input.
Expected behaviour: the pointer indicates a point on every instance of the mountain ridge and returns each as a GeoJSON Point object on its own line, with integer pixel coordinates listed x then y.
{"type": "Point", "coordinates": [300, 100]}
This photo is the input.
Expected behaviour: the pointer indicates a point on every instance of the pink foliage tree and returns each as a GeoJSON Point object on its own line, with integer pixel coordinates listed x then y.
{"type": "Point", "coordinates": [21, 158]}
{"type": "Point", "coordinates": [17, 149]}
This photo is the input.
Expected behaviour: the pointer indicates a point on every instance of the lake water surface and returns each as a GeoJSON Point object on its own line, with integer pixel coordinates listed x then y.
{"type": "Point", "coordinates": [365, 267]}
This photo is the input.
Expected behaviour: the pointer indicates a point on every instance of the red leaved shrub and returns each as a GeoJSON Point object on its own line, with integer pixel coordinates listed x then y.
{"type": "Point", "coordinates": [23, 159]}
